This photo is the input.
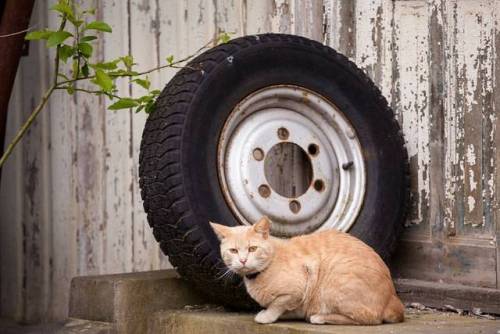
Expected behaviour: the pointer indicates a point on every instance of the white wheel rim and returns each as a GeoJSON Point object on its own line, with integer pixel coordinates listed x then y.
{"type": "Point", "coordinates": [309, 119]}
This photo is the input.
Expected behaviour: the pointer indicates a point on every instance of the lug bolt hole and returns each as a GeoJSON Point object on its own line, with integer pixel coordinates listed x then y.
{"type": "Point", "coordinates": [283, 133]}
{"type": "Point", "coordinates": [258, 154]}
{"type": "Point", "coordinates": [294, 206]}
{"type": "Point", "coordinates": [313, 149]}
{"type": "Point", "coordinates": [319, 185]}
{"type": "Point", "coordinates": [264, 190]}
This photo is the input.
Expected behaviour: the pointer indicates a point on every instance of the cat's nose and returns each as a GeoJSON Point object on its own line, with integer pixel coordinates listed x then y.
{"type": "Point", "coordinates": [243, 261]}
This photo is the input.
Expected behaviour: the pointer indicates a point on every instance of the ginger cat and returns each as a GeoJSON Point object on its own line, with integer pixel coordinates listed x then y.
{"type": "Point", "coordinates": [325, 277]}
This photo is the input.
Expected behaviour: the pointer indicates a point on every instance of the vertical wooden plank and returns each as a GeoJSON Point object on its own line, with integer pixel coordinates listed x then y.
{"type": "Point", "coordinates": [35, 221]}
{"type": "Point", "coordinates": [200, 23]}
{"type": "Point", "coordinates": [88, 171]}
{"type": "Point", "coordinates": [470, 120]}
{"type": "Point", "coordinates": [282, 13]}
{"type": "Point", "coordinates": [63, 206]}
{"type": "Point", "coordinates": [410, 99]}
{"type": "Point", "coordinates": [170, 14]}
{"type": "Point", "coordinates": [374, 41]}
{"type": "Point", "coordinates": [117, 224]}
{"type": "Point", "coordinates": [341, 26]}
{"type": "Point", "coordinates": [228, 16]}
{"type": "Point", "coordinates": [144, 45]}
{"type": "Point", "coordinates": [308, 20]}
{"type": "Point", "coordinates": [256, 18]}
{"type": "Point", "coordinates": [496, 127]}
{"type": "Point", "coordinates": [451, 119]}
{"type": "Point", "coordinates": [438, 95]}
{"type": "Point", "coordinates": [11, 212]}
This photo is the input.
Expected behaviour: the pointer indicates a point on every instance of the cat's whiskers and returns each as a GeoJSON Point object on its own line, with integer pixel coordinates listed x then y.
{"type": "Point", "coordinates": [226, 274]}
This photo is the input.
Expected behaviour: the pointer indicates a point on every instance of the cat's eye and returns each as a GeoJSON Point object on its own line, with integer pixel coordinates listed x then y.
{"type": "Point", "coordinates": [233, 250]}
{"type": "Point", "coordinates": [252, 248]}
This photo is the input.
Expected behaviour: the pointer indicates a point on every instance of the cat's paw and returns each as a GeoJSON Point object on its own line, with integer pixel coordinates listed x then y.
{"type": "Point", "coordinates": [265, 317]}
{"type": "Point", "coordinates": [317, 319]}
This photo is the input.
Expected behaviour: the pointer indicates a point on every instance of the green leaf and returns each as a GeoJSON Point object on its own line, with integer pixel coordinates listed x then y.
{"type": "Point", "coordinates": [103, 80]}
{"type": "Point", "coordinates": [63, 8]}
{"type": "Point", "coordinates": [57, 38]}
{"type": "Point", "coordinates": [85, 49]}
{"type": "Point", "coordinates": [110, 65]}
{"type": "Point", "coordinates": [124, 104]}
{"type": "Point", "coordinates": [39, 34]}
{"type": "Point", "coordinates": [149, 107]}
{"type": "Point", "coordinates": [139, 108]}
{"type": "Point", "coordinates": [224, 37]}
{"type": "Point", "coordinates": [65, 51]}
{"type": "Point", "coordinates": [90, 11]}
{"type": "Point", "coordinates": [128, 61]}
{"type": "Point", "coordinates": [144, 83]}
{"type": "Point", "coordinates": [76, 22]}
{"type": "Point", "coordinates": [88, 38]}
{"type": "Point", "coordinates": [155, 92]}
{"type": "Point", "coordinates": [74, 67]}
{"type": "Point", "coordinates": [145, 98]}
{"type": "Point", "coordinates": [70, 90]}
{"type": "Point", "coordinates": [170, 59]}
{"type": "Point", "coordinates": [99, 25]}
{"type": "Point", "coordinates": [85, 70]}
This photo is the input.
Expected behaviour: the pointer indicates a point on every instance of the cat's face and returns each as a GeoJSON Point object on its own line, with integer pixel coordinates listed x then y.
{"type": "Point", "coordinates": [245, 249]}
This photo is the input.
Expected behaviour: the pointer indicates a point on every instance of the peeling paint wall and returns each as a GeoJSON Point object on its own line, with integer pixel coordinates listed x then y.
{"type": "Point", "coordinates": [70, 202]}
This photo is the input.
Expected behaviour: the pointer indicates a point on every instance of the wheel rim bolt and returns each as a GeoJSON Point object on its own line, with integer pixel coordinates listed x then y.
{"type": "Point", "coordinates": [283, 133]}
{"type": "Point", "coordinates": [294, 206]}
{"type": "Point", "coordinates": [264, 190]}
{"type": "Point", "coordinates": [258, 154]}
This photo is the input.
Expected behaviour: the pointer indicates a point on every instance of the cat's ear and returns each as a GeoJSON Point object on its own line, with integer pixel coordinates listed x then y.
{"type": "Point", "coordinates": [220, 230]}
{"type": "Point", "coordinates": [262, 227]}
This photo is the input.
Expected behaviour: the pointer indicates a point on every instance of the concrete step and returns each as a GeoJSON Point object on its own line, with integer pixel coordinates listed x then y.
{"type": "Point", "coordinates": [138, 302]}
{"type": "Point", "coordinates": [219, 322]}
{"type": "Point", "coordinates": [126, 301]}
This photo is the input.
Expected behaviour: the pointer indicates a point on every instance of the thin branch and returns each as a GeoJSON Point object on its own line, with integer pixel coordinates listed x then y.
{"type": "Point", "coordinates": [19, 32]}
{"type": "Point", "coordinates": [56, 70]}
{"type": "Point", "coordinates": [88, 91]}
{"type": "Point", "coordinates": [77, 40]}
{"type": "Point", "coordinates": [26, 125]}
{"type": "Point", "coordinates": [38, 108]}
{"type": "Point", "coordinates": [172, 65]}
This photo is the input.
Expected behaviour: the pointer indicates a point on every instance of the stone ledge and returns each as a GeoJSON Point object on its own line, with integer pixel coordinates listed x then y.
{"type": "Point", "coordinates": [436, 294]}
{"type": "Point", "coordinates": [127, 300]}
{"type": "Point", "coordinates": [213, 322]}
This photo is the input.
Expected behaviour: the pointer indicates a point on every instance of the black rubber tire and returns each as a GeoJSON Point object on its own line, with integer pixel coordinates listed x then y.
{"type": "Point", "coordinates": [178, 173]}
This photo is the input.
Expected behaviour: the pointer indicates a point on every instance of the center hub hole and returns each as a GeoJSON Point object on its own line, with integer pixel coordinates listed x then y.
{"type": "Point", "coordinates": [288, 169]}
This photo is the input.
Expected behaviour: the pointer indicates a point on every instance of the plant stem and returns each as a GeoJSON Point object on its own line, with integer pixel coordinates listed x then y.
{"type": "Point", "coordinates": [56, 60]}
{"type": "Point", "coordinates": [96, 92]}
{"type": "Point", "coordinates": [172, 65]}
{"type": "Point", "coordinates": [20, 133]}
{"type": "Point", "coordinates": [26, 125]}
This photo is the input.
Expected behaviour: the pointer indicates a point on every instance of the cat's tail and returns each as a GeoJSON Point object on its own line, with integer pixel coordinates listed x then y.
{"type": "Point", "coordinates": [394, 311]}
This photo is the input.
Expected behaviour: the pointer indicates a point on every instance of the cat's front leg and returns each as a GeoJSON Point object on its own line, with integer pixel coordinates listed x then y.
{"type": "Point", "coordinates": [267, 316]}
{"type": "Point", "coordinates": [277, 307]}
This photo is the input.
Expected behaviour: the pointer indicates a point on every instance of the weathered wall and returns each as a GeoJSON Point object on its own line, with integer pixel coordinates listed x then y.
{"type": "Point", "coordinates": [70, 203]}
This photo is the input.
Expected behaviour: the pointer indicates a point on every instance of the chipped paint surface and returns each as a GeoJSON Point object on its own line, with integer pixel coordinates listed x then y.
{"type": "Point", "coordinates": [411, 94]}
{"type": "Point", "coordinates": [470, 165]}
{"type": "Point", "coordinates": [71, 202]}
